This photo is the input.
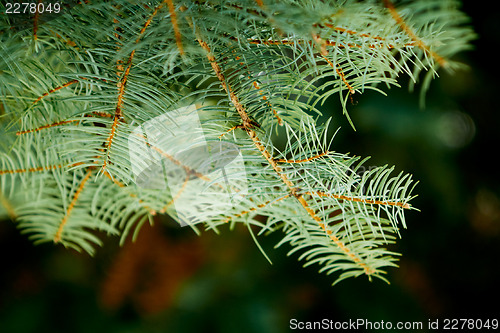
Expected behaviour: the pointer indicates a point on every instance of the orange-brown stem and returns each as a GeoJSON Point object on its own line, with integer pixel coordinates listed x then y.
{"type": "Point", "coordinates": [354, 199]}
{"type": "Point", "coordinates": [54, 90]}
{"type": "Point", "coordinates": [347, 31]}
{"type": "Point", "coordinates": [244, 212]}
{"type": "Point", "coordinates": [326, 43]}
{"type": "Point", "coordinates": [259, 145]}
{"type": "Point", "coordinates": [264, 97]}
{"type": "Point", "coordinates": [121, 87]}
{"type": "Point", "coordinates": [418, 42]}
{"type": "Point", "coordinates": [36, 169]}
{"type": "Point", "coordinates": [177, 195]}
{"type": "Point", "coordinates": [341, 74]}
{"type": "Point", "coordinates": [64, 122]}
{"type": "Point", "coordinates": [173, 19]}
{"type": "Point", "coordinates": [303, 160]}
{"type": "Point", "coordinates": [35, 22]}
{"type": "Point", "coordinates": [59, 123]}
{"type": "Point", "coordinates": [64, 221]}
{"type": "Point", "coordinates": [230, 130]}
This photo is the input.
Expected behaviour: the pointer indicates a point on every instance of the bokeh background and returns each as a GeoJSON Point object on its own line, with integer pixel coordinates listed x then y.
{"type": "Point", "coordinates": [171, 280]}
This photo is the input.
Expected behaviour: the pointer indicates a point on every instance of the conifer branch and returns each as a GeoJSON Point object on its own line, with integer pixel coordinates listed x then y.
{"type": "Point", "coordinates": [188, 170]}
{"type": "Point", "coordinates": [118, 37]}
{"type": "Point", "coordinates": [35, 23]}
{"type": "Point", "coordinates": [62, 224]}
{"type": "Point", "coordinates": [35, 169]}
{"type": "Point", "coordinates": [329, 43]}
{"type": "Point", "coordinates": [258, 144]}
{"type": "Point", "coordinates": [367, 201]}
{"type": "Point", "coordinates": [39, 169]}
{"type": "Point", "coordinates": [173, 19]}
{"type": "Point", "coordinates": [256, 85]}
{"type": "Point", "coordinates": [67, 84]}
{"type": "Point", "coordinates": [131, 194]}
{"type": "Point", "coordinates": [116, 182]}
{"type": "Point", "coordinates": [278, 118]}
{"type": "Point", "coordinates": [135, 68]}
{"type": "Point", "coordinates": [230, 130]}
{"type": "Point", "coordinates": [417, 41]}
{"type": "Point", "coordinates": [341, 74]}
{"type": "Point", "coordinates": [67, 41]}
{"type": "Point", "coordinates": [350, 32]}
{"type": "Point", "coordinates": [59, 123]}
{"type": "Point", "coordinates": [177, 195]}
{"type": "Point", "coordinates": [121, 87]}
{"type": "Point", "coordinates": [252, 209]}
{"type": "Point", "coordinates": [302, 160]}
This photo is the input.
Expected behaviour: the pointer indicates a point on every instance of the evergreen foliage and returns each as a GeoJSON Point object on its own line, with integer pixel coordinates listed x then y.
{"type": "Point", "coordinates": [75, 90]}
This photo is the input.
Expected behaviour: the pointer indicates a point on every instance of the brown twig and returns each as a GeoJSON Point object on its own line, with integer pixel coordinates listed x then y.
{"type": "Point", "coordinates": [122, 84]}
{"type": "Point", "coordinates": [62, 224]}
{"type": "Point", "coordinates": [354, 199]}
{"type": "Point", "coordinates": [35, 22]}
{"type": "Point", "coordinates": [265, 153]}
{"type": "Point", "coordinates": [341, 74]}
{"type": "Point", "coordinates": [417, 41]}
{"type": "Point", "coordinates": [252, 209]}
{"type": "Point", "coordinates": [303, 160]}
{"type": "Point", "coordinates": [173, 19]}
{"type": "Point", "coordinates": [54, 90]}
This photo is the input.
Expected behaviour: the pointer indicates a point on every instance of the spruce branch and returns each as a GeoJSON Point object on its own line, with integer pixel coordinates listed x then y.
{"type": "Point", "coordinates": [115, 112]}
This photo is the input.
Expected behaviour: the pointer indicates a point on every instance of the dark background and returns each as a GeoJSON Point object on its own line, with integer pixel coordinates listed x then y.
{"type": "Point", "coordinates": [171, 280]}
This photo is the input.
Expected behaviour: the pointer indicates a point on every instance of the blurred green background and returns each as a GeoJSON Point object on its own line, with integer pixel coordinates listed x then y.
{"type": "Point", "coordinates": [171, 280]}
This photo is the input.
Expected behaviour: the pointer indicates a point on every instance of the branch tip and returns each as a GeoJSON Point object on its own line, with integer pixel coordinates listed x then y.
{"type": "Point", "coordinates": [62, 224]}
